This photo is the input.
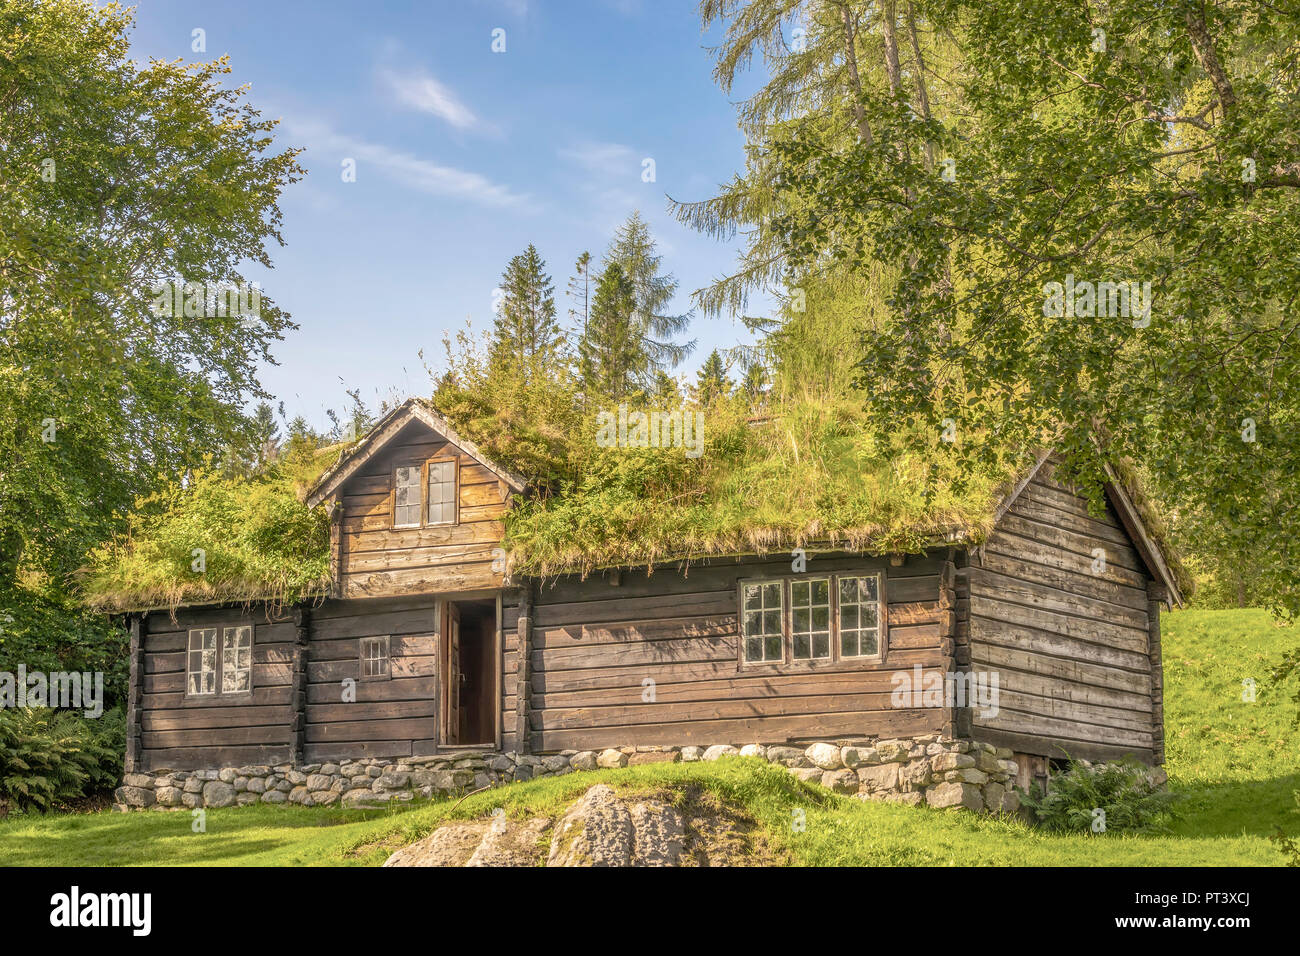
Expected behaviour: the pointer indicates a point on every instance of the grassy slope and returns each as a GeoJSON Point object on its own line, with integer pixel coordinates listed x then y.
{"type": "Point", "coordinates": [1229, 758]}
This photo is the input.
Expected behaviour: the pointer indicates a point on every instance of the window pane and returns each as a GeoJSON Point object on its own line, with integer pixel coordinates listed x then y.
{"type": "Point", "coordinates": [859, 616]}
{"type": "Point", "coordinates": [810, 618]}
{"type": "Point", "coordinates": [442, 492]}
{"type": "Point", "coordinates": [201, 661]}
{"type": "Point", "coordinates": [236, 660]}
{"type": "Point", "coordinates": [406, 487]}
{"type": "Point", "coordinates": [762, 627]}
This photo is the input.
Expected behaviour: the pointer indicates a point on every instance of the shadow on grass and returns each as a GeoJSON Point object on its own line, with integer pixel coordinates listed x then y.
{"type": "Point", "coordinates": [1237, 807]}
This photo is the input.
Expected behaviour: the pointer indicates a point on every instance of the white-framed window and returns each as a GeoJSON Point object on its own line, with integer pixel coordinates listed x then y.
{"type": "Point", "coordinates": [237, 660]}
{"type": "Point", "coordinates": [201, 662]}
{"type": "Point", "coordinates": [763, 620]}
{"type": "Point", "coordinates": [810, 619]}
{"type": "Point", "coordinates": [442, 492]}
{"type": "Point", "coordinates": [802, 619]}
{"type": "Point", "coordinates": [219, 661]}
{"type": "Point", "coordinates": [859, 616]}
{"type": "Point", "coordinates": [375, 662]}
{"type": "Point", "coordinates": [406, 496]}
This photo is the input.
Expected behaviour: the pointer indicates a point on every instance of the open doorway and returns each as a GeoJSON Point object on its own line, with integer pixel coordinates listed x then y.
{"type": "Point", "coordinates": [468, 661]}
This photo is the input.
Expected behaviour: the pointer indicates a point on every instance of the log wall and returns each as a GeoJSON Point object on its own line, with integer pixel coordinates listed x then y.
{"type": "Point", "coordinates": [193, 732]}
{"type": "Point", "coordinates": [594, 645]}
{"type": "Point", "coordinates": [394, 717]}
{"type": "Point", "coordinates": [1071, 646]}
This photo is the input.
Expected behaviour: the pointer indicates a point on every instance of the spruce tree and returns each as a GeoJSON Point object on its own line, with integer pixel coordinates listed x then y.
{"type": "Point", "coordinates": [580, 292]}
{"type": "Point", "coordinates": [611, 359]}
{"type": "Point", "coordinates": [633, 251]}
{"type": "Point", "coordinates": [712, 382]}
{"type": "Point", "coordinates": [526, 335]}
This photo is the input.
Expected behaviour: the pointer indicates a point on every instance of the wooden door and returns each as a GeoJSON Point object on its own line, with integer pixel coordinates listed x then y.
{"type": "Point", "coordinates": [454, 675]}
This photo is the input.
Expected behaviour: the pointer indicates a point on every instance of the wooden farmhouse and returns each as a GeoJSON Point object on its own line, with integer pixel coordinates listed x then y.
{"type": "Point", "coordinates": [427, 645]}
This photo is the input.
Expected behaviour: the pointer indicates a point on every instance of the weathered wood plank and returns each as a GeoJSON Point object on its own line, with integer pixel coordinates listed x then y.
{"type": "Point", "coordinates": [1084, 584]}
{"type": "Point", "coordinates": [409, 728]}
{"type": "Point", "coordinates": [989, 583]}
{"type": "Point", "coordinates": [1028, 549]}
{"type": "Point", "coordinates": [1080, 544]}
{"type": "Point", "coordinates": [1136, 686]}
{"type": "Point", "coordinates": [1051, 622]}
{"type": "Point", "coordinates": [1023, 638]}
{"type": "Point", "coordinates": [1066, 730]}
{"type": "Point", "coordinates": [211, 758]}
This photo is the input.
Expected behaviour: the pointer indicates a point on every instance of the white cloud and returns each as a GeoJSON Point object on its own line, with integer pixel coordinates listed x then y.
{"type": "Point", "coordinates": [402, 167]}
{"type": "Point", "coordinates": [610, 159]}
{"type": "Point", "coordinates": [420, 91]}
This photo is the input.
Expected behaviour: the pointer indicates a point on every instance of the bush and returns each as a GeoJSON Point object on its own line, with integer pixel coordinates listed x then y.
{"type": "Point", "coordinates": [1132, 800]}
{"type": "Point", "coordinates": [49, 758]}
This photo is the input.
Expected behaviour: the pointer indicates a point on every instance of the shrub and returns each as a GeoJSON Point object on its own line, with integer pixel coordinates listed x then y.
{"type": "Point", "coordinates": [1132, 800]}
{"type": "Point", "coordinates": [49, 757]}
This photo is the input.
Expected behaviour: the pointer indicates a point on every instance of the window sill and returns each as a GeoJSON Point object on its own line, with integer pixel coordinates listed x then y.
{"type": "Point", "coordinates": [817, 666]}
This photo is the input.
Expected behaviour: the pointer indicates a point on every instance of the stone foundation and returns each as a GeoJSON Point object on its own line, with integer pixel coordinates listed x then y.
{"type": "Point", "coordinates": [939, 772]}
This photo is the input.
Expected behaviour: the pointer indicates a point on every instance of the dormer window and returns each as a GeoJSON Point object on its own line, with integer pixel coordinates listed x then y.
{"type": "Point", "coordinates": [424, 494]}
{"type": "Point", "coordinates": [406, 501]}
{"type": "Point", "coordinates": [442, 492]}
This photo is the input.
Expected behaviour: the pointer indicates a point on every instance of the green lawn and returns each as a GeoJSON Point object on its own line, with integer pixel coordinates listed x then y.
{"type": "Point", "coordinates": [1234, 762]}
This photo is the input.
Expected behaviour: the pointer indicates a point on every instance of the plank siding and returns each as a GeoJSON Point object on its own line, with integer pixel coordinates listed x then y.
{"type": "Point", "coordinates": [1071, 648]}
{"type": "Point", "coordinates": [394, 717]}
{"type": "Point", "coordinates": [183, 733]}
{"type": "Point", "coordinates": [595, 643]}
{"type": "Point", "coordinates": [374, 559]}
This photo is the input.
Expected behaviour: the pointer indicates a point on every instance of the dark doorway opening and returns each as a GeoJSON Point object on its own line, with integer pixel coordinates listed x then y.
{"type": "Point", "coordinates": [469, 664]}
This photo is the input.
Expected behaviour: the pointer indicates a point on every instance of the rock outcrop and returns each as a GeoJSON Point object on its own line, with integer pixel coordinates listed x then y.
{"type": "Point", "coordinates": [599, 829]}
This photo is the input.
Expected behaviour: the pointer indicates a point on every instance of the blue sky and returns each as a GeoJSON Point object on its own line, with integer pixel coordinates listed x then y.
{"type": "Point", "coordinates": [463, 156]}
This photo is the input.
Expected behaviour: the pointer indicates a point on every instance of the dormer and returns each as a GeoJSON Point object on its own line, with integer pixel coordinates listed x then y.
{"type": "Point", "coordinates": [415, 509]}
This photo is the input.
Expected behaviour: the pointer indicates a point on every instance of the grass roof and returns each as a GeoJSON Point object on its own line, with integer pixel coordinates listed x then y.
{"type": "Point", "coordinates": [807, 476]}
{"type": "Point", "coordinates": [216, 539]}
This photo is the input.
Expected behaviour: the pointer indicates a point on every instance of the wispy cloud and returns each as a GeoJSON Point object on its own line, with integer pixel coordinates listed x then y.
{"type": "Point", "coordinates": [419, 90]}
{"type": "Point", "coordinates": [517, 7]}
{"type": "Point", "coordinates": [408, 170]}
{"type": "Point", "coordinates": [609, 159]}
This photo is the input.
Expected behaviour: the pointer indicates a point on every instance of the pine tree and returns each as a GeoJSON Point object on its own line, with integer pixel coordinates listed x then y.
{"type": "Point", "coordinates": [712, 382]}
{"type": "Point", "coordinates": [526, 335]}
{"type": "Point", "coordinates": [633, 251]}
{"type": "Point", "coordinates": [611, 359]}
